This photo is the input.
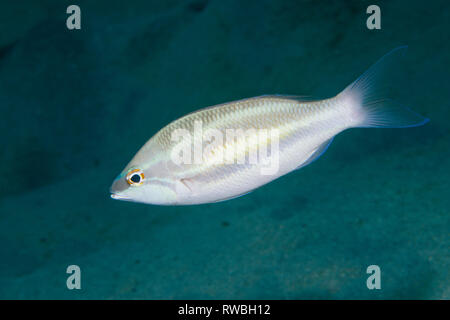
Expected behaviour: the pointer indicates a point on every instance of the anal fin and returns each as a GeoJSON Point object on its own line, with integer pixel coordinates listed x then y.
{"type": "Point", "coordinates": [234, 197]}
{"type": "Point", "coordinates": [316, 153]}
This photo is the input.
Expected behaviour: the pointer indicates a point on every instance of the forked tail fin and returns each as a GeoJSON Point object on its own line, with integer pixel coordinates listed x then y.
{"type": "Point", "coordinates": [366, 97]}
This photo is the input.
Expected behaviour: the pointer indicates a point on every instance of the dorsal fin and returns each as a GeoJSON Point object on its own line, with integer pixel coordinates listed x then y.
{"type": "Point", "coordinates": [291, 97]}
{"type": "Point", "coordinates": [277, 96]}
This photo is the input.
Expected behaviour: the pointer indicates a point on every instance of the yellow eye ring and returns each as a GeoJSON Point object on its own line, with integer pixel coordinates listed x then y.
{"type": "Point", "coordinates": [135, 177]}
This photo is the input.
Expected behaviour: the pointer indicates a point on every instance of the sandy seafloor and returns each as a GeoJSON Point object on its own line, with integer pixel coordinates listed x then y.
{"type": "Point", "coordinates": [76, 106]}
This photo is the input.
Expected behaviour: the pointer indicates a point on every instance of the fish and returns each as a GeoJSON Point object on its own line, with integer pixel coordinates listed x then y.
{"type": "Point", "coordinates": [192, 160]}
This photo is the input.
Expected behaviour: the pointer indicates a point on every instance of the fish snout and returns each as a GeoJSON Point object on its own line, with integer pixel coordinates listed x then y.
{"type": "Point", "coordinates": [118, 186]}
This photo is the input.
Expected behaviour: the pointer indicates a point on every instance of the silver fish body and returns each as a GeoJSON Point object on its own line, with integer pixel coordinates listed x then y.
{"type": "Point", "coordinates": [303, 130]}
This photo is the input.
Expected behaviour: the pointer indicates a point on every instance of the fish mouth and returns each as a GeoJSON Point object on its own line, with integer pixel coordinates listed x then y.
{"type": "Point", "coordinates": [119, 197]}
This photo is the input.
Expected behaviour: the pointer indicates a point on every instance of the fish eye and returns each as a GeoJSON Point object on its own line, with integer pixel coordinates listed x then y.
{"type": "Point", "coordinates": [135, 177]}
